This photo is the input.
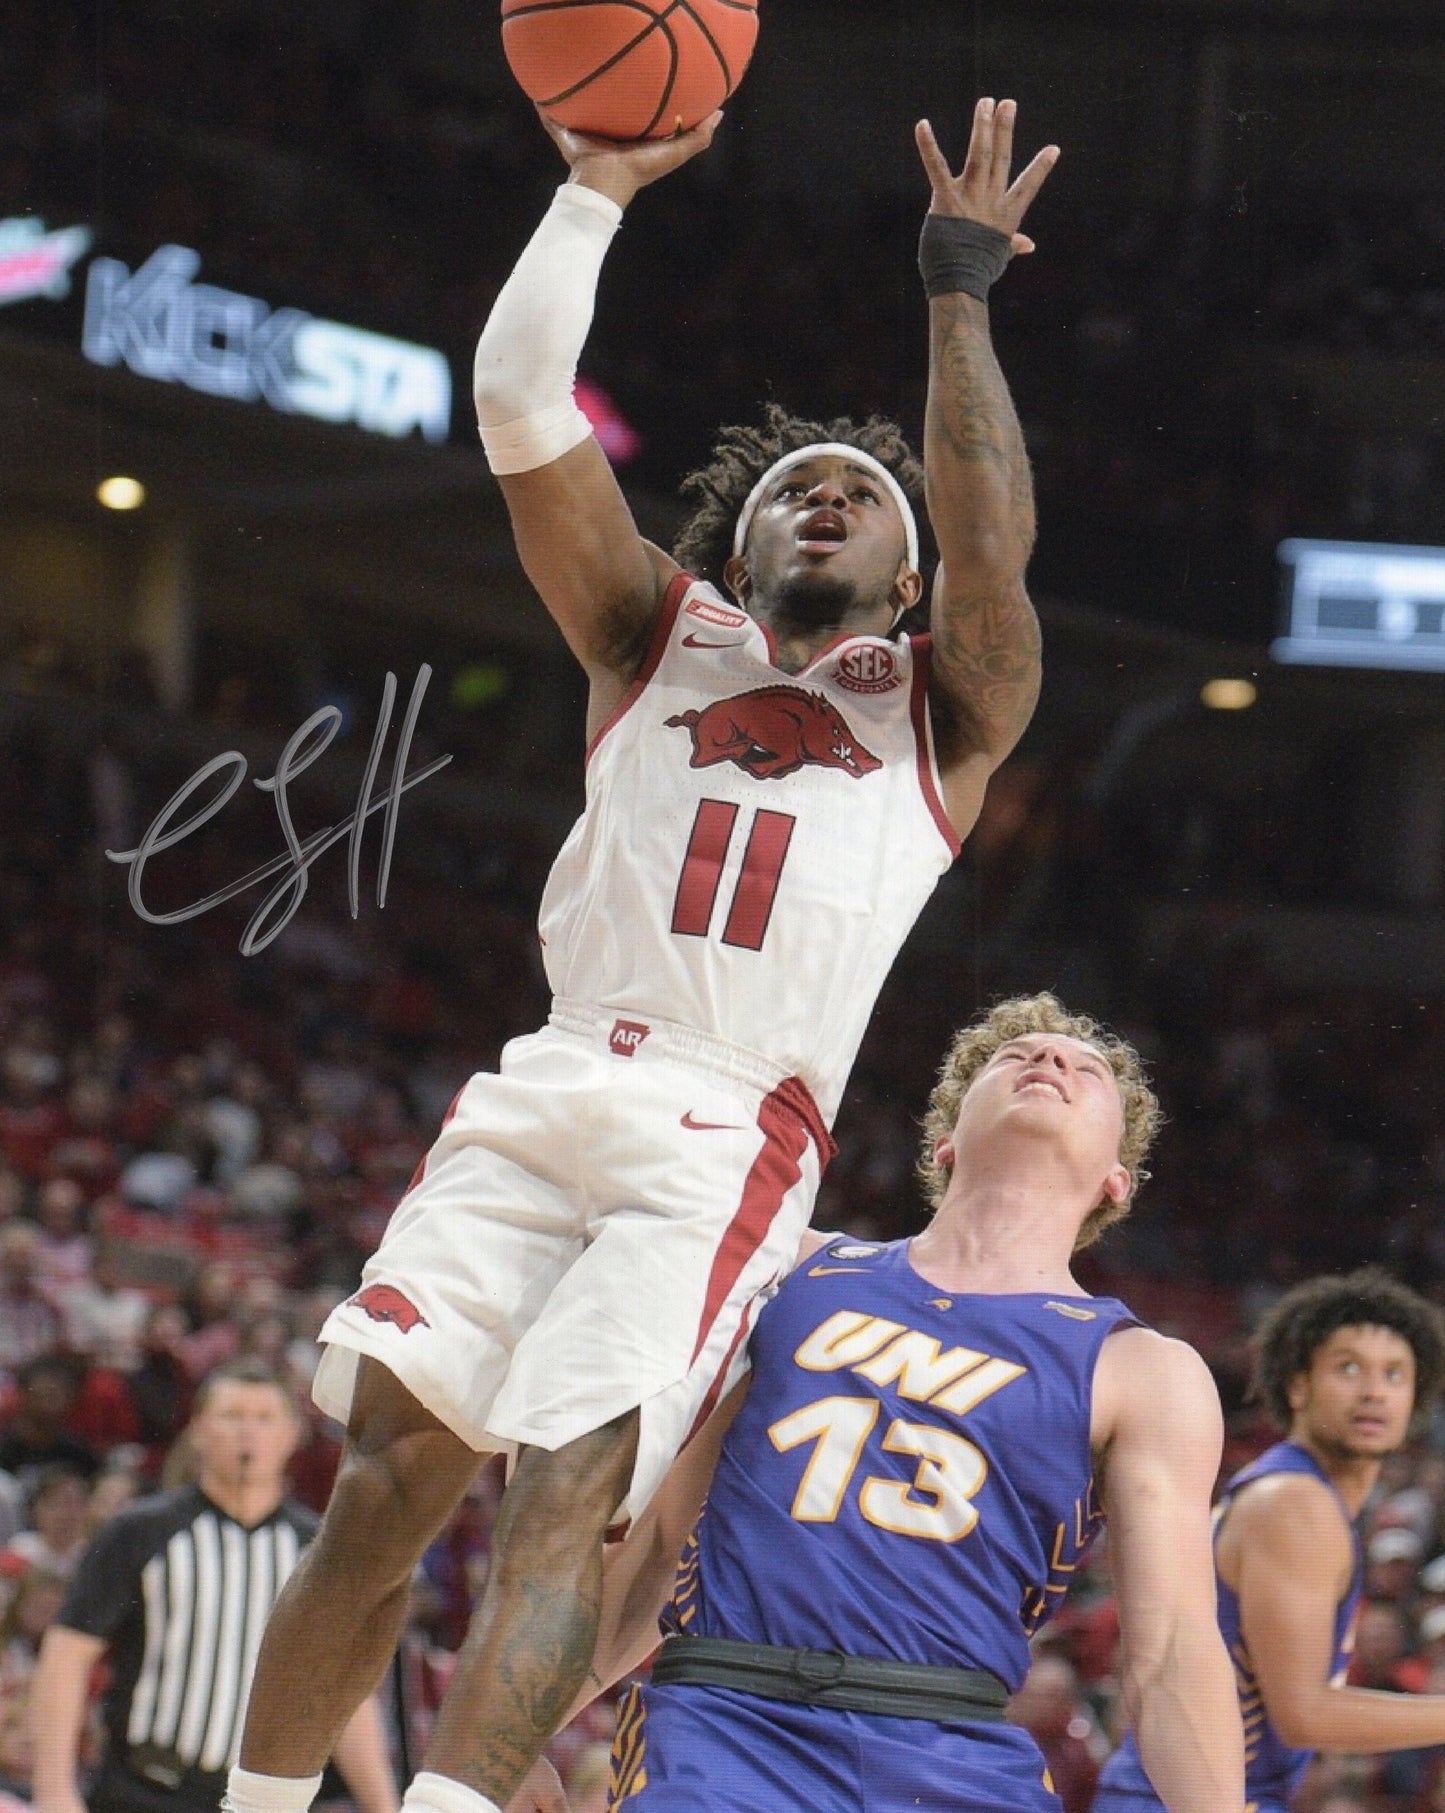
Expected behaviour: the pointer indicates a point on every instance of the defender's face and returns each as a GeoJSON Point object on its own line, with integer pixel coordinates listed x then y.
{"type": "Point", "coordinates": [826, 523]}
{"type": "Point", "coordinates": [1359, 1393]}
{"type": "Point", "coordinates": [1053, 1088]}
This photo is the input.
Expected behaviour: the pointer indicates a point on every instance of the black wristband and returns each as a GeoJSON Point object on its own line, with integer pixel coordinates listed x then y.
{"type": "Point", "coordinates": [956, 254]}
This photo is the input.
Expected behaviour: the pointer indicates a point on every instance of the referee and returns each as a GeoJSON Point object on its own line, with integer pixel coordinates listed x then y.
{"type": "Point", "coordinates": [177, 1590]}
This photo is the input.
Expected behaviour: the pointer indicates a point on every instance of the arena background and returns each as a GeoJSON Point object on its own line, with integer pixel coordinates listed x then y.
{"type": "Point", "coordinates": [1233, 333]}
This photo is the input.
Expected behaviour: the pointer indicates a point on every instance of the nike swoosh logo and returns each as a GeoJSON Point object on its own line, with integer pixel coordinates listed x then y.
{"type": "Point", "coordinates": [709, 1126]}
{"type": "Point", "coordinates": [827, 1271]}
{"type": "Point", "coordinates": [691, 641]}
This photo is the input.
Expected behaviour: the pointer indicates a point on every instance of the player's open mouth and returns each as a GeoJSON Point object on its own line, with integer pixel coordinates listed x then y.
{"type": "Point", "coordinates": [823, 531]}
{"type": "Point", "coordinates": [1035, 1079]}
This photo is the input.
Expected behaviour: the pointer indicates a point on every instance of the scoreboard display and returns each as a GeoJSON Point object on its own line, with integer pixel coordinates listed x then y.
{"type": "Point", "coordinates": [1362, 604]}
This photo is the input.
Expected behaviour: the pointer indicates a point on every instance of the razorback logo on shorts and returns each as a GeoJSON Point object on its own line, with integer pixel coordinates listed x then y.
{"type": "Point", "coordinates": [626, 1036]}
{"type": "Point", "coordinates": [869, 669]}
{"type": "Point", "coordinates": [775, 731]}
{"type": "Point", "coordinates": [385, 1303]}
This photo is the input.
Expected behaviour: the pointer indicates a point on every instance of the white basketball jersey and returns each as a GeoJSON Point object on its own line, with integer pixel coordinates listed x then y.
{"type": "Point", "coordinates": [755, 844]}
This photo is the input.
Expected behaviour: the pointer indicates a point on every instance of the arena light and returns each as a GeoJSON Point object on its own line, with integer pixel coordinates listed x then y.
{"type": "Point", "coordinates": [121, 493]}
{"type": "Point", "coordinates": [1228, 694]}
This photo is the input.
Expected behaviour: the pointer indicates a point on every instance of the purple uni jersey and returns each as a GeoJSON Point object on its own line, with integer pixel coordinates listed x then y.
{"type": "Point", "coordinates": [1272, 1768]}
{"type": "Point", "coordinates": [909, 1478]}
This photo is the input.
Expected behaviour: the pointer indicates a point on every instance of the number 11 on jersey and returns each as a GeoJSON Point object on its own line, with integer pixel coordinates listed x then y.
{"type": "Point", "coordinates": [757, 883]}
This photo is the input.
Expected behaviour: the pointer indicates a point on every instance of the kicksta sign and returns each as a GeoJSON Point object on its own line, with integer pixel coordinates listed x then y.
{"type": "Point", "coordinates": [161, 323]}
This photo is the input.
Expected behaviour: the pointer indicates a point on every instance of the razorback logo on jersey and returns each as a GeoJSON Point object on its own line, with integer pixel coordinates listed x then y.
{"type": "Point", "coordinates": [868, 669]}
{"type": "Point", "coordinates": [385, 1303]}
{"type": "Point", "coordinates": [716, 613]}
{"type": "Point", "coordinates": [775, 731]}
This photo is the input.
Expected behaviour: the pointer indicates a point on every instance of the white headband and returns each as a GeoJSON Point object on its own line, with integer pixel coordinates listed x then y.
{"type": "Point", "coordinates": [855, 456]}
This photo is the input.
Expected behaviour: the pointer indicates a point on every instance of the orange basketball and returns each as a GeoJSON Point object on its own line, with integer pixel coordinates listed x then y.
{"type": "Point", "coordinates": [629, 69]}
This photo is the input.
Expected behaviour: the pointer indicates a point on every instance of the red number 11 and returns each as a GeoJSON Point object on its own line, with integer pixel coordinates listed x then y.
{"type": "Point", "coordinates": [707, 848]}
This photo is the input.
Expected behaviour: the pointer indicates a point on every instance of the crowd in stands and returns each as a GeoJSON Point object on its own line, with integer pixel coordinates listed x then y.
{"type": "Point", "coordinates": [345, 178]}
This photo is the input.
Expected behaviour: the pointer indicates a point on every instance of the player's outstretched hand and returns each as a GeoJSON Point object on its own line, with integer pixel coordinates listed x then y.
{"type": "Point", "coordinates": [541, 1791]}
{"type": "Point", "coordinates": [620, 170]}
{"type": "Point", "coordinates": [982, 191]}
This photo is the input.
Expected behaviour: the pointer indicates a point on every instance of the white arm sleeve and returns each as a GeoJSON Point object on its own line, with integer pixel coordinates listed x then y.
{"type": "Point", "coordinates": [526, 363]}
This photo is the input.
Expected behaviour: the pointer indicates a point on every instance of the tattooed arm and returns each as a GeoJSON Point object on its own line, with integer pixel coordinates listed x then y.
{"type": "Point", "coordinates": [985, 680]}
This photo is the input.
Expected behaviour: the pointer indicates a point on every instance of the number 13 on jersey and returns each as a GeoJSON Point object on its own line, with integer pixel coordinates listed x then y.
{"type": "Point", "coordinates": [751, 906]}
{"type": "Point", "coordinates": [935, 1503]}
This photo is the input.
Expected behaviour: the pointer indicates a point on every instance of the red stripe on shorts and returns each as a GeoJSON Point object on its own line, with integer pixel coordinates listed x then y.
{"type": "Point", "coordinates": [714, 1391]}
{"type": "Point", "coordinates": [420, 1171]}
{"type": "Point", "coordinates": [789, 1118]}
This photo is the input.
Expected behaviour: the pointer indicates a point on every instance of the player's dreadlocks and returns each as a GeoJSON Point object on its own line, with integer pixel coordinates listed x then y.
{"type": "Point", "coordinates": [1306, 1316]}
{"type": "Point", "coordinates": [743, 455]}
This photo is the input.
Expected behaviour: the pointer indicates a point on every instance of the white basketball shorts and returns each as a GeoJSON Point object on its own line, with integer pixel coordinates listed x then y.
{"type": "Point", "coordinates": [594, 1230]}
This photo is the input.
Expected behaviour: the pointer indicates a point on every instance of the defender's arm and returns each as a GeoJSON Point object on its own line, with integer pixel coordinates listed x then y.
{"type": "Point", "coordinates": [638, 1572]}
{"type": "Point", "coordinates": [980, 490]}
{"type": "Point", "coordinates": [1158, 1416]}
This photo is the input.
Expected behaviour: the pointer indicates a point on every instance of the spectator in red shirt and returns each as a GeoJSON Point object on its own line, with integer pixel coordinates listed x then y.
{"type": "Point", "coordinates": [31, 1120]}
{"type": "Point", "coordinates": [214, 1335]}
{"type": "Point", "coordinates": [65, 1254]}
{"type": "Point", "coordinates": [1380, 1645]}
{"type": "Point", "coordinates": [87, 1150]}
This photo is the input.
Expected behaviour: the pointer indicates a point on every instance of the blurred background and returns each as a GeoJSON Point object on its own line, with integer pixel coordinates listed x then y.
{"type": "Point", "coordinates": [244, 254]}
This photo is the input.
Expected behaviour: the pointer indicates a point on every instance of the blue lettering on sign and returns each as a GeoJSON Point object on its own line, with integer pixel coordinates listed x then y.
{"type": "Point", "coordinates": [161, 323]}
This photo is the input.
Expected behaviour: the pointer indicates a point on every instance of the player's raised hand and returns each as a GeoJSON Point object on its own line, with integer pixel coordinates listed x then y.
{"type": "Point", "coordinates": [982, 191]}
{"type": "Point", "coordinates": [619, 170]}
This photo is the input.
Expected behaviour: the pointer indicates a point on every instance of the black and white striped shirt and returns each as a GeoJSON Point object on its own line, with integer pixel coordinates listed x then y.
{"type": "Point", "coordinates": [181, 1592]}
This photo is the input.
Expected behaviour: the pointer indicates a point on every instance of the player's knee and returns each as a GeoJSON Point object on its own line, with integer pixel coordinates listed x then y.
{"type": "Point", "coordinates": [374, 1521]}
{"type": "Point", "coordinates": [388, 1503]}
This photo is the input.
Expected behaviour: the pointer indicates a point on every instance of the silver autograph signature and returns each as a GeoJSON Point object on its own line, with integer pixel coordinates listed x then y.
{"type": "Point", "coordinates": [306, 745]}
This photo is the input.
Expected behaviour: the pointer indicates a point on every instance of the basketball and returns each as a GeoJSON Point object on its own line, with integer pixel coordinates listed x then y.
{"type": "Point", "coordinates": [629, 69]}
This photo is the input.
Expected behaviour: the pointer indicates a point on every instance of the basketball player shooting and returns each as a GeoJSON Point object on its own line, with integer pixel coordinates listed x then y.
{"type": "Point", "coordinates": [776, 780]}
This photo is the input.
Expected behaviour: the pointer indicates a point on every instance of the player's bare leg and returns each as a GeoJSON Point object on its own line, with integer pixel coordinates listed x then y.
{"type": "Point", "coordinates": [532, 1637]}
{"type": "Point", "coordinates": [338, 1619]}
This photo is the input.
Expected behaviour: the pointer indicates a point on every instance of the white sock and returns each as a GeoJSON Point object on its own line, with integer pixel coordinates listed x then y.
{"type": "Point", "coordinates": [440, 1794]}
{"type": "Point", "coordinates": [248, 1793]}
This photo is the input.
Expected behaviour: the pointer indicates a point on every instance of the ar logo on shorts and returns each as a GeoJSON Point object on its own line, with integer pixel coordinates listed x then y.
{"type": "Point", "coordinates": [385, 1303]}
{"type": "Point", "coordinates": [626, 1036]}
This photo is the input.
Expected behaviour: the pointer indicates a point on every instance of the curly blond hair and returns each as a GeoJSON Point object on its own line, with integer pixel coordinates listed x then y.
{"type": "Point", "coordinates": [1014, 1019]}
